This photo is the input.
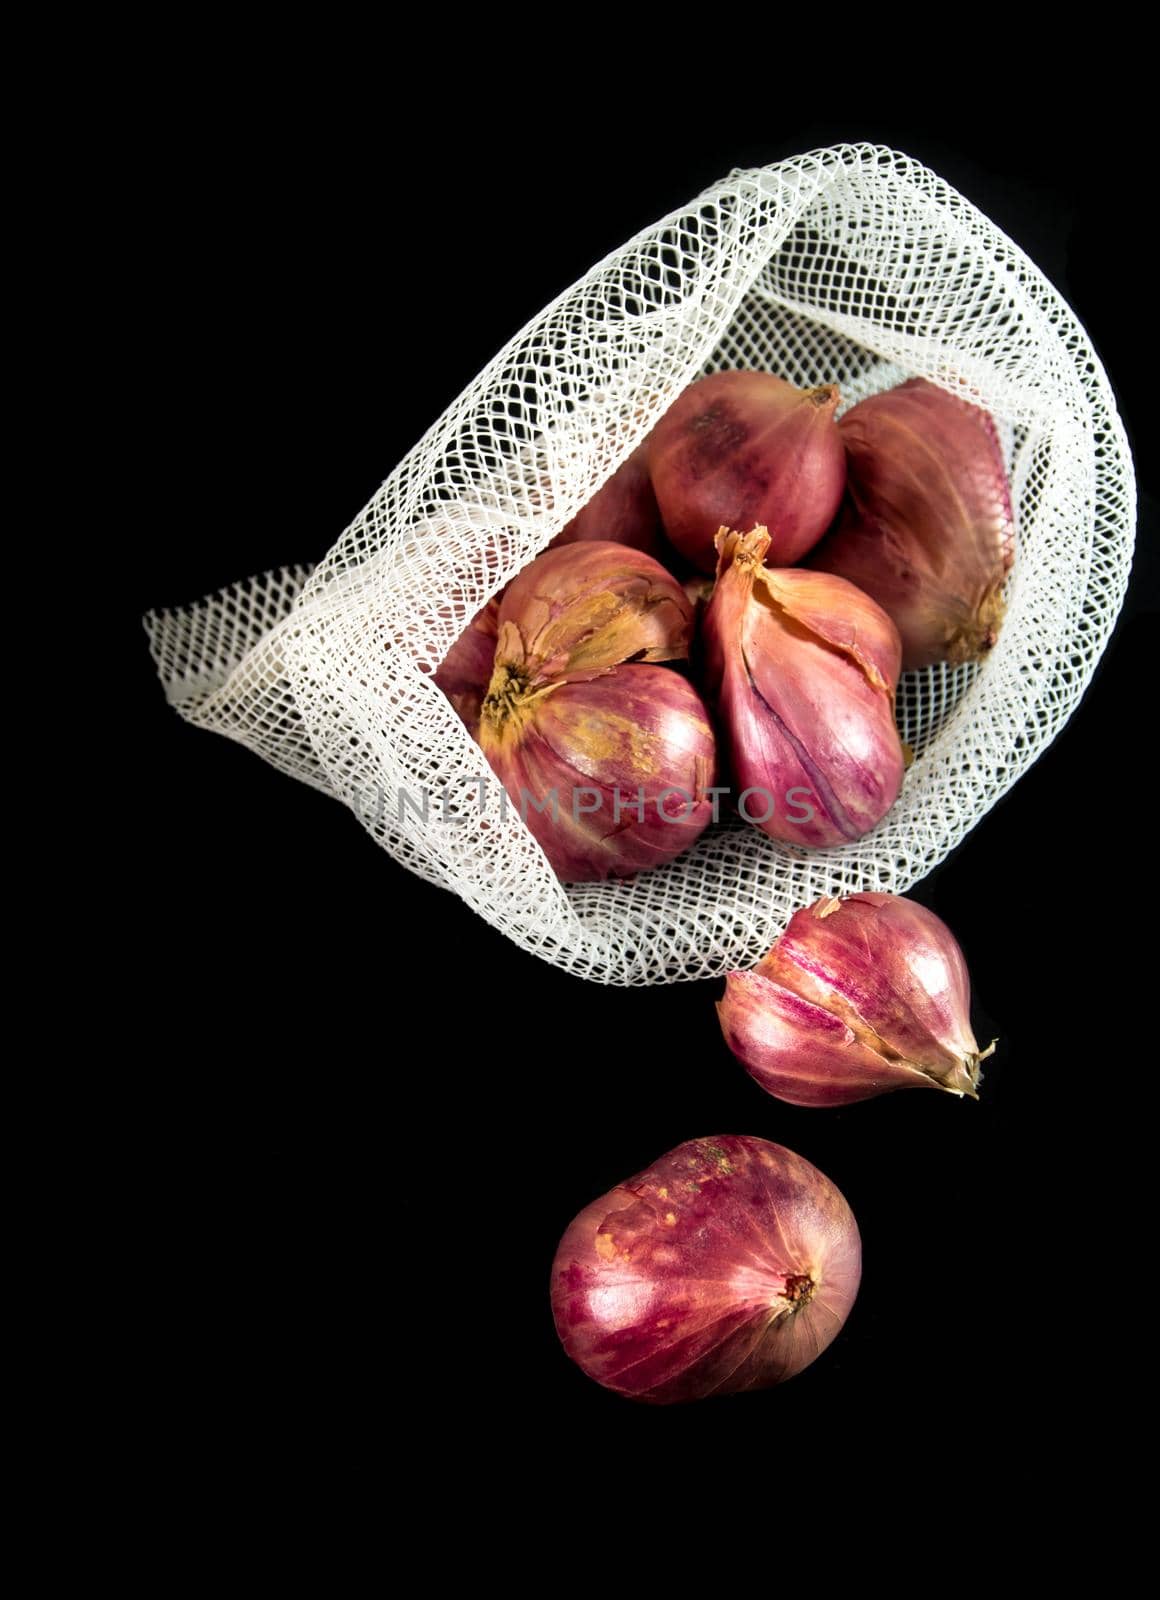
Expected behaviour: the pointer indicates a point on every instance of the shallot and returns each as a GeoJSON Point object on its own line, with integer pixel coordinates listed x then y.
{"type": "Point", "coordinates": [729, 1264]}
{"type": "Point", "coordinates": [802, 667]}
{"type": "Point", "coordinates": [742, 448]}
{"type": "Point", "coordinates": [610, 769]}
{"type": "Point", "coordinates": [466, 669]}
{"type": "Point", "coordinates": [859, 996]}
{"type": "Point", "coordinates": [927, 527]}
{"type": "Point", "coordinates": [593, 604]}
{"type": "Point", "coordinates": [623, 510]}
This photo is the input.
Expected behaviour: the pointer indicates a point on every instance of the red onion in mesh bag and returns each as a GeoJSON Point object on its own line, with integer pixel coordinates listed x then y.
{"type": "Point", "coordinates": [623, 510]}
{"type": "Point", "coordinates": [610, 770]}
{"type": "Point", "coordinates": [590, 605]}
{"type": "Point", "coordinates": [927, 527]}
{"type": "Point", "coordinates": [729, 1264]}
{"type": "Point", "coordinates": [742, 448]}
{"type": "Point", "coordinates": [593, 604]}
{"type": "Point", "coordinates": [465, 671]}
{"type": "Point", "coordinates": [802, 668]}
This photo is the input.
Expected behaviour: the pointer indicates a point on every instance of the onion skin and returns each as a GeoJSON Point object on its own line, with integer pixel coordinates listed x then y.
{"type": "Point", "coordinates": [859, 996]}
{"type": "Point", "coordinates": [743, 448]}
{"type": "Point", "coordinates": [590, 605]}
{"type": "Point", "coordinates": [623, 511]}
{"type": "Point", "coordinates": [802, 668]}
{"type": "Point", "coordinates": [465, 671]}
{"type": "Point", "coordinates": [729, 1264]}
{"type": "Point", "coordinates": [927, 526]}
{"type": "Point", "coordinates": [625, 735]}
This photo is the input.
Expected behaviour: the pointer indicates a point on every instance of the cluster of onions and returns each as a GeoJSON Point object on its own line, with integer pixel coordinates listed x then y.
{"type": "Point", "coordinates": [608, 752]}
{"type": "Point", "coordinates": [731, 1263]}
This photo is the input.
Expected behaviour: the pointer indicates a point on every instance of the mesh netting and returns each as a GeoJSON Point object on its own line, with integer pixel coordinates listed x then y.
{"type": "Point", "coordinates": [853, 265]}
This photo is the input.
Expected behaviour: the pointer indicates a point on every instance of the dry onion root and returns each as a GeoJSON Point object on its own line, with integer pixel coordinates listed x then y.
{"type": "Point", "coordinates": [595, 604]}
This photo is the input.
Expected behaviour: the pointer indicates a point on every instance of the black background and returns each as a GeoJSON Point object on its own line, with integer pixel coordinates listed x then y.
{"type": "Point", "coordinates": [367, 1118]}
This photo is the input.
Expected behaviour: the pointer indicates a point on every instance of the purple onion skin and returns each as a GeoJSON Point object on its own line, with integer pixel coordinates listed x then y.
{"type": "Point", "coordinates": [802, 668]}
{"type": "Point", "coordinates": [628, 731]}
{"type": "Point", "coordinates": [623, 511]}
{"type": "Point", "coordinates": [729, 1264]}
{"type": "Point", "coordinates": [858, 997]}
{"type": "Point", "coordinates": [466, 669]}
{"type": "Point", "coordinates": [927, 527]}
{"type": "Point", "coordinates": [627, 606]}
{"type": "Point", "coordinates": [738, 449]}
{"type": "Point", "coordinates": [594, 604]}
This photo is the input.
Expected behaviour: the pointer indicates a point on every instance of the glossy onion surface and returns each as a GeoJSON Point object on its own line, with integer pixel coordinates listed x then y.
{"type": "Point", "coordinates": [729, 1264]}
{"type": "Point", "coordinates": [859, 996]}
{"type": "Point", "coordinates": [927, 526]}
{"type": "Point", "coordinates": [609, 770]}
{"type": "Point", "coordinates": [742, 448]}
{"type": "Point", "coordinates": [802, 669]}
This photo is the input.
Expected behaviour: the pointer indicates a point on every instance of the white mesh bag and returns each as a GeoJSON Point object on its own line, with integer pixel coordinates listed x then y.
{"type": "Point", "coordinates": [853, 264]}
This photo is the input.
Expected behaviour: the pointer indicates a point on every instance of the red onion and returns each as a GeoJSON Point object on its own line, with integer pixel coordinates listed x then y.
{"type": "Point", "coordinates": [636, 594]}
{"type": "Point", "coordinates": [466, 669]}
{"type": "Point", "coordinates": [742, 448]}
{"type": "Point", "coordinates": [927, 527]}
{"type": "Point", "coordinates": [608, 769]}
{"type": "Point", "coordinates": [803, 668]}
{"type": "Point", "coordinates": [857, 997]}
{"type": "Point", "coordinates": [729, 1264]}
{"type": "Point", "coordinates": [623, 510]}
{"type": "Point", "coordinates": [594, 604]}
